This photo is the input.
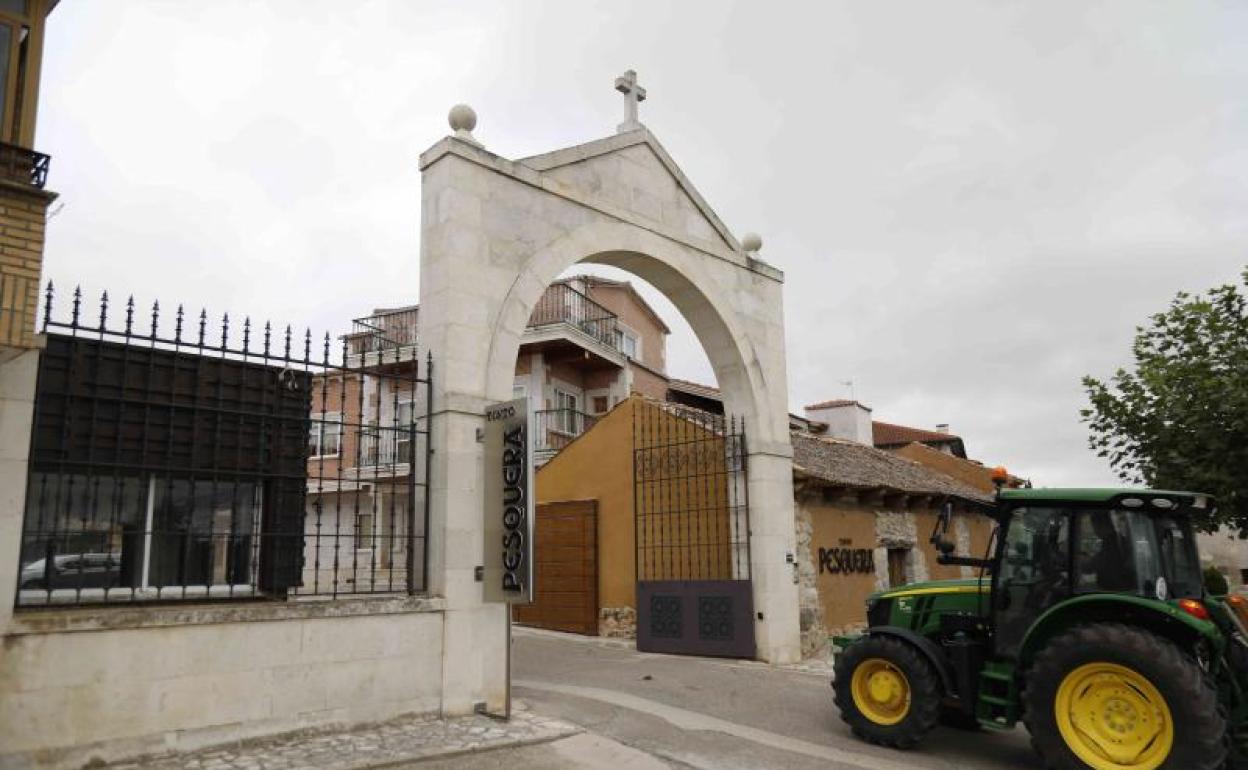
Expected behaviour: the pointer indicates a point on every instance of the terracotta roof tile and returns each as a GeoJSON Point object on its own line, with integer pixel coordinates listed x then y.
{"type": "Point", "coordinates": [850, 464]}
{"type": "Point", "coordinates": [888, 434]}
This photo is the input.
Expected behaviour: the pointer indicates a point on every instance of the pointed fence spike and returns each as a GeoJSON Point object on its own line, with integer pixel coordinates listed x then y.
{"type": "Point", "coordinates": [268, 335]}
{"type": "Point", "coordinates": [287, 354]}
{"type": "Point", "coordinates": [73, 320]}
{"type": "Point", "coordinates": [47, 307]}
{"type": "Point", "coordinates": [225, 329]}
{"type": "Point", "coordinates": [307, 345]}
{"type": "Point", "coordinates": [246, 332]}
{"type": "Point", "coordinates": [203, 324]}
{"type": "Point", "coordinates": [129, 314]}
{"type": "Point", "coordinates": [155, 317]}
{"type": "Point", "coordinates": [103, 310]}
{"type": "Point", "coordinates": [177, 329]}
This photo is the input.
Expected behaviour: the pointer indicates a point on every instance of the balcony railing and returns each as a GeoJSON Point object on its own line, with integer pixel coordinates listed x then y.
{"type": "Point", "coordinates": [559, 304]}
{"type": "Point", "coordinates": [554, 429]}
{"type": "Point", "coordinates": [562, 304]}
{"type": "Point", "coordinates": [18, 164]}
{"type": "Point", "coordinates": [383, 331]}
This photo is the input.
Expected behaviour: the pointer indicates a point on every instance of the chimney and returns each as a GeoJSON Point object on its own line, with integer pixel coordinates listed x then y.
{"type": "Point", "coordinates": [846, 419]}
{"type": "Point", "coordinates": [942, 427]}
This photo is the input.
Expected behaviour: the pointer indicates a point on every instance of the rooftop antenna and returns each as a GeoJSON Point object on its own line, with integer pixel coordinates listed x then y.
{"type": "Point", "coordinates": [850, 384]}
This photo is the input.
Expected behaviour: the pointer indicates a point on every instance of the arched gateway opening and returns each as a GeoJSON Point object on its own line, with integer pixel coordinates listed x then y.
{"type": "Point", "coordinates": [495, 234]}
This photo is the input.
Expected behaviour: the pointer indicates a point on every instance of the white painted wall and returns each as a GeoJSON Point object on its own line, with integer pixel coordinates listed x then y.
{"type": "Point", "coordinates": [848, 421]}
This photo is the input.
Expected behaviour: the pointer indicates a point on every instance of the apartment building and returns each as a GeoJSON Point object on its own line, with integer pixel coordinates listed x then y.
{"type": "Point", "coordinates": [590, 342]}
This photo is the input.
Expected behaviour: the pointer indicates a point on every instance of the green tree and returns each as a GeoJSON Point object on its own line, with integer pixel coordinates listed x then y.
{"type": "Point", "coordinates": [1179, 420]}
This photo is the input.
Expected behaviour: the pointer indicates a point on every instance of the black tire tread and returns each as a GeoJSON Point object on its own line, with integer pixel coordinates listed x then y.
{"type": "Point", "coordinates": [925, 692]}
{"type": "Point", "coordinates": [1200, 725]}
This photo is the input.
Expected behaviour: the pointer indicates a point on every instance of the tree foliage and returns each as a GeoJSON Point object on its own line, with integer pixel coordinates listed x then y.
{"type": "Point", "coordinates": [1179, 419]}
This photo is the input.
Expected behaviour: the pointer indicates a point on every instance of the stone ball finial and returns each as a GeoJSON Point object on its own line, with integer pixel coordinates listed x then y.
{"type": "Point", "coordinates": [462, 118]}
{"type": "Point", "coordinates": [752, 242]}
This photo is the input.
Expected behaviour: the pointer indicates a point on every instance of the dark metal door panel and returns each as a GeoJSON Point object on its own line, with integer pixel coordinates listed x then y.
{"type": "Point", "coordinates": [696, 617]}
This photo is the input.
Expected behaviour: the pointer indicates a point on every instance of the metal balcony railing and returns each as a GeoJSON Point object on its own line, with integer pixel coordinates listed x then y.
{"type": "Point", "coordinates": [554, 429]}
{"type": "Point", "coordinates": [385, 330]}
{"type": "Point", "coordinates": [18, 164]}
{"type": "Point", "coordinates": [559, 304]}
{"type": "Point", "coordinates": [562, 304]}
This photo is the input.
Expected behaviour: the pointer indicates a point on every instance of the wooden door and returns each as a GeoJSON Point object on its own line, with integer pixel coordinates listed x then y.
{"type": "Point", "coordinates": [565, 568]}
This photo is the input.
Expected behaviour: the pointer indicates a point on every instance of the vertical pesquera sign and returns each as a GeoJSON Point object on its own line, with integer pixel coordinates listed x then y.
{"type": "Point", "coordinates": [508, 503]}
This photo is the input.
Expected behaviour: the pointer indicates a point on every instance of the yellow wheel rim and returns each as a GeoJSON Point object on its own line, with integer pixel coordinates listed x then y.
{"type": "Point", "coordinates": [881, 692]}
{"type": "Point", "coordinates": [1113, 718]}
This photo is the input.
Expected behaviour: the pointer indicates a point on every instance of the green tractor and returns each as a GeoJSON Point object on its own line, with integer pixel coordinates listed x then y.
{"type": "Point", "coordinates": [1088, 621]}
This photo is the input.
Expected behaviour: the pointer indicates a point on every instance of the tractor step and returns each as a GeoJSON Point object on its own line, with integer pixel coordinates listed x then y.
{"type": "Point", "coordinates": [997, 704]}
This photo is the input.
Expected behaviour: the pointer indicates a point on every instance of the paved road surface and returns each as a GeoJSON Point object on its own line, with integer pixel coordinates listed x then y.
{"type": "Point", "coordinates": [706, 713]}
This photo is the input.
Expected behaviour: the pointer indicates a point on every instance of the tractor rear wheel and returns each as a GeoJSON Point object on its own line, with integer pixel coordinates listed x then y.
{"type": "Point", "coordinates": [1110, 696]}
{"type": "Point", "coordinates": [888, 693]}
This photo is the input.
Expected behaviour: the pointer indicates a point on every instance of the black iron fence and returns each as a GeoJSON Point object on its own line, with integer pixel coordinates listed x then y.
{"type": "Point", "coordinates": [18, 164]}
{"type": "Point", "coordinates": [690, 498]}
{"type": "Point", "coordinates": [554, 429]}
{"type": "Point", "coordinates": [562, 304]}
{"type": "Point", "coordinates": [172, 459]}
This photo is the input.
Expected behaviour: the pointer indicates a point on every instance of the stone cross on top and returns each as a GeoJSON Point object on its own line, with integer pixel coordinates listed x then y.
{"type": "Point", "coordinates": [633, 95]}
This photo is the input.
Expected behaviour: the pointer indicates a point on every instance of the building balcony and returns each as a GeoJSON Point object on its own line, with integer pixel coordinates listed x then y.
{"type": "Point", "coordinates": [562, 315]}
{"type": "Point", "coordinates": [554, 429]}
{"type": "Point", "coordinates": [23, 166]}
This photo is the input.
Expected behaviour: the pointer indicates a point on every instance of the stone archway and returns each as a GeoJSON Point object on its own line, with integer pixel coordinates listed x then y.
{"type": "Point", "coordinates": [495, 233]}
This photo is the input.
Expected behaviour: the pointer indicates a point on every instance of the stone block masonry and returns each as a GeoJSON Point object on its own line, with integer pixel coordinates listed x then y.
{"type": "Point", "coordinates": [82, 686]}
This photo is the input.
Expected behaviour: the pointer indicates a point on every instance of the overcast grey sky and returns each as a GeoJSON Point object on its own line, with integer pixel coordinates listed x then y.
{"type": "Point", "coordinates": [974, 202]}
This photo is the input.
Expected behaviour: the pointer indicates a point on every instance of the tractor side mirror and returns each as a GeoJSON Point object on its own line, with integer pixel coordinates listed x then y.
{"type": "Point", "coordinates": [943, 546]}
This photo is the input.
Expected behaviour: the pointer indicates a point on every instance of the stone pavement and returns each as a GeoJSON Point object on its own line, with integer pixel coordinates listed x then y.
{"type": "Point", "coordinates": [397, 742]}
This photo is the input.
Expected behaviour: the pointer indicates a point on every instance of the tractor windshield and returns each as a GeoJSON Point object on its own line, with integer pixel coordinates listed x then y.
{"type": "Point", "coordinates": [1150, 554]}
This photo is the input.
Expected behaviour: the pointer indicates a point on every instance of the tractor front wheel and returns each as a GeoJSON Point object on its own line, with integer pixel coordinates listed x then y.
{"type": "Point", "coordinates": [888, 693]}
{"type": "Point", "coordinates": [1109, 696]}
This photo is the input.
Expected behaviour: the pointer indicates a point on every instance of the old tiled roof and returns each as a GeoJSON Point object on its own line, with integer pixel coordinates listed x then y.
{"type": "Point", "coordinates": [842, 463]}
{"type": "Point", "coordinates": [888, 434]}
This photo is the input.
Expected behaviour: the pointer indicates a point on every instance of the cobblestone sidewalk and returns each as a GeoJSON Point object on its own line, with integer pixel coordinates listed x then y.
{"type": "Point", "coordinates": [402, 740]}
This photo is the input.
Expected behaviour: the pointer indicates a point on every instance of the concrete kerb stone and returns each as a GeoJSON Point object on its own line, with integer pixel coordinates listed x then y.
{"type": "Point", "coordinates": [387, 744]}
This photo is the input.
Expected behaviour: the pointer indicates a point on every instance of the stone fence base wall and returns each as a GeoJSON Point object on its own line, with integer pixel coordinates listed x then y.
{"type": "Point", "coordinates": [84, 686]}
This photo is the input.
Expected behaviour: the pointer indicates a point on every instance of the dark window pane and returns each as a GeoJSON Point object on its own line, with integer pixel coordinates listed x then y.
{"type": "Point", "coordinates": [15, 7]}
{"type": "Point", "coordinates": [202, 532]}
{"type": "Point", "coordinates": [77, 531]}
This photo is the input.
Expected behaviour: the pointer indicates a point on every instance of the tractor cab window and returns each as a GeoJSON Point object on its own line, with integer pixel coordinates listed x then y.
{"type": "Point", "coordinates": [1122, 551]}
{"type": "Point", "coordinates": [1034, 571]}
{"type": "Point", "coordinates": [1179, 557]}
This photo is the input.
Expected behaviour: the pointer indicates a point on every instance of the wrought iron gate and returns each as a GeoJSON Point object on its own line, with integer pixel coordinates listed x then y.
{"type": "Point", "coordinates": [692, 520]}
{"type": "Point", "coordinates": [175, 460]}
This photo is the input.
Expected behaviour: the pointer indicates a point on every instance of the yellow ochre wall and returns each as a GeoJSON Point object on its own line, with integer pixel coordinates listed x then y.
{"type": "Point", "coordinates": [848, 525]}
{"type": "Point", "coordinates": [598, 465]}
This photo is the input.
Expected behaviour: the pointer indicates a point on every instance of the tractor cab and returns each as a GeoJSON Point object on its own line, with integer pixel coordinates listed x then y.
{"type": "Point", "coordinates": [1055, 545]}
